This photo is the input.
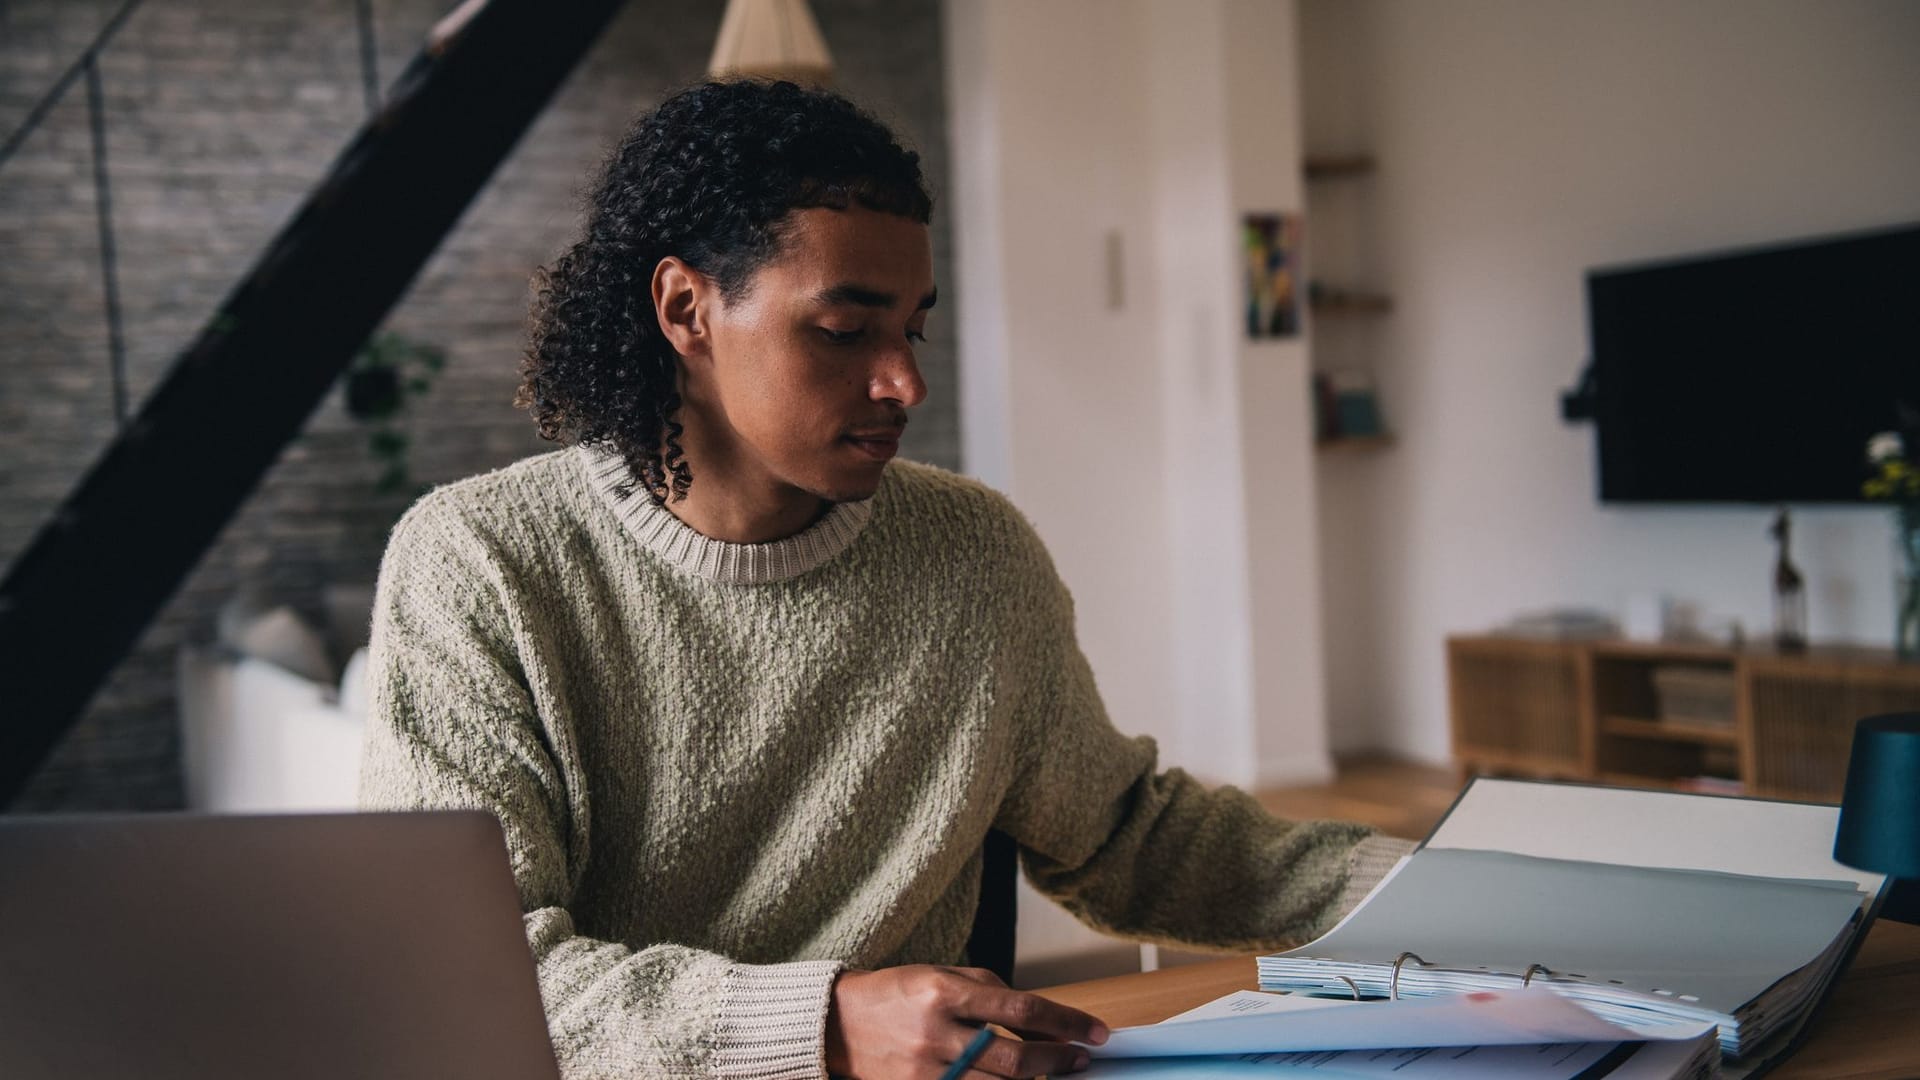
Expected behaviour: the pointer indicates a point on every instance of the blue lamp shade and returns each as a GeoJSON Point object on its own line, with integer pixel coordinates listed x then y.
{"type": "Point", "coordinates": [1880, 812]}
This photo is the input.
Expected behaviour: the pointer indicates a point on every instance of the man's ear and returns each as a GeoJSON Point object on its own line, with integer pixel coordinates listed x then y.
{"type": "Point", "coordinates": [681, 296]}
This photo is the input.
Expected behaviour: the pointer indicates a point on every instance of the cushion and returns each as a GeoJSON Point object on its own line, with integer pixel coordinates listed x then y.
{"type": "Point", "coordinates": [354, 688]}
{"type": "Point", "coordinates": [277, 635]}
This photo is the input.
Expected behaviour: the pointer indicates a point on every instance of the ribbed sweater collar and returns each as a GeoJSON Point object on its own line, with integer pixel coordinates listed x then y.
{"type": "Point", "coordinates": [673, 540]}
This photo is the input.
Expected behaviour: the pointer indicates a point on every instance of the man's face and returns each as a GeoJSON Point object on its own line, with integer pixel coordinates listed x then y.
{"type": "Point", "coordinates": [808, 375]}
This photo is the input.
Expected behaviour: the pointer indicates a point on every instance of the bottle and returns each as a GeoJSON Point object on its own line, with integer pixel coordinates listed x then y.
{"type": "Point", "coordinates": [1789, 592]}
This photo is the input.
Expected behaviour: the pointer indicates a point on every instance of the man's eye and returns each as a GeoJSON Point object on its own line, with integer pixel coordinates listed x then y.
{"type": "Point", "coordinates": [840, 337]}
{"type": "Point", "coordinates": [917, 337]}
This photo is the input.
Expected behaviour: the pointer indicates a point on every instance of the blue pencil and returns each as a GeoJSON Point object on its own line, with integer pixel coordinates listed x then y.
{"type": "Point", "coordinates": [968, 1056]}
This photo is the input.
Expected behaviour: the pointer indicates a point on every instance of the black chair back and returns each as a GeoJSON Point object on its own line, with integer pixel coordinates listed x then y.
{"type": "Point", "coordinates": [990, 944]}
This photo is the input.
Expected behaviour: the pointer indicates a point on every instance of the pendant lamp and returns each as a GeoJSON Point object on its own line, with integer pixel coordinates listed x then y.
{"type": "Point", "coordinates": [771, 39]}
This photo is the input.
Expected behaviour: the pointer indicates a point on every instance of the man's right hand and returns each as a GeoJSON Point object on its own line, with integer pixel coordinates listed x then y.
{"type": "Point", "coordinates": [912, 1022]}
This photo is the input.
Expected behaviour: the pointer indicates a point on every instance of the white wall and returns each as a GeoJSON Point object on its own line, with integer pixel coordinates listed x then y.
{"type": "Point", "coordinates": [1264, 155]}
{"type": "Point", "coordinates": [1166, 464]}
{"type": "Point", "coordinates": [1521, 142]}
{"type": "Point", "coordinates": [1074, 435]}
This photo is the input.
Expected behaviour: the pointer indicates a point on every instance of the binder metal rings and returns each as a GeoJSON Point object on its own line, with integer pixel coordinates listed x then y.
{"type": "Point", "coordinates": [1393, 983]}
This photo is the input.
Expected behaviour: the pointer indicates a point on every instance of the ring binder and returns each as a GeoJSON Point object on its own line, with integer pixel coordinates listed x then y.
{"type": "Point", "coordinates": [1627, 892]}
{"type": "Point", "coordinates": [1393, 982]}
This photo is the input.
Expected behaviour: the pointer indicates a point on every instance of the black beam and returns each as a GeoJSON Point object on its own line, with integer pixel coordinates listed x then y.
{"type": "Point", "coordinates": [78, 598]}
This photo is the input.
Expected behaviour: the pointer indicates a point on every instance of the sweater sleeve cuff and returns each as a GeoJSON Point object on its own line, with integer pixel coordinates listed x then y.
{"type": "Point", "coordinates": [773, 1021]}
{"type": "Point", "coordinates": [1370, 861]}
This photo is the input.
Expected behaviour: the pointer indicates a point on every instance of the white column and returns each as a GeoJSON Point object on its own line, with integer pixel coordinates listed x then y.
{"type": "Point", "coordinates": [1166, 461]}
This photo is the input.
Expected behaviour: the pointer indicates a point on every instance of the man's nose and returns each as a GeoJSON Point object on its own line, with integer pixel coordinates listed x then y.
{"type": "Point", "coordinates": [898, 378]}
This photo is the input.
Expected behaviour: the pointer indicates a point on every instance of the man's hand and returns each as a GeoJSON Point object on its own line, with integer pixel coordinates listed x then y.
{"type": "Point", "coordinates": [912, 1022]}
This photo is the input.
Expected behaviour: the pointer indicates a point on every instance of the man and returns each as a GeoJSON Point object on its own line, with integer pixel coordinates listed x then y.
{"type": "Point", "coordinates": [745, 693]}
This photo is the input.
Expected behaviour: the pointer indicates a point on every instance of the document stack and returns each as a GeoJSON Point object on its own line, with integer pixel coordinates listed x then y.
{"type": "Point", "coordinates": [1646, 908]}
{"type": "Point", "coordinates": [1498, 1035]}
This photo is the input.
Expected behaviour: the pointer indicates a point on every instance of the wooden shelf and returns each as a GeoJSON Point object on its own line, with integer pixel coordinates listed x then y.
{"type": "Point", "coordinates": [1337, 166]}
{"type": "Point", "coordinates": [1673, 783]}
{"type": "Point", "coordinates": [1355, 442]}
{"type": "Point", "coordinates": [1351, 303]}
{"type": "Point", "coordinates": [1585, 708]}
{"type": "Point", "coordinates": [1494, 763]}
{"type": "Point", "coordinates": [1666, 731]}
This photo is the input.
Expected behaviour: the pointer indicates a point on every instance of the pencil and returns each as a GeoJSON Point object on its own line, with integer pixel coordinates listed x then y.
{"type": "Point", "coordinates": [968, 1056]}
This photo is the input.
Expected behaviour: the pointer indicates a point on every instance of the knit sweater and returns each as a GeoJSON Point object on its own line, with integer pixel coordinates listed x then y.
{"type": "Point", "coordinates": [727, 770]}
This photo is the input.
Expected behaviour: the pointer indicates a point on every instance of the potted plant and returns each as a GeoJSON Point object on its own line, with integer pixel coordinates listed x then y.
{"type": "Point", "coordinates": [1896, 479]}
{"type": "Point", "coordinates": [388, 373]}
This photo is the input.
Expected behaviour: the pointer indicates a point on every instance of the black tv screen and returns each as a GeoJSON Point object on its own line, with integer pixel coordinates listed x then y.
{"type": "Point", "coordinates": [1757, 375]}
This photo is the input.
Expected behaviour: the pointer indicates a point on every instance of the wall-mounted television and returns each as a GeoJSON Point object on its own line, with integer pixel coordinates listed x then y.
{"type": "Point", "coordinates": [1753, 376]}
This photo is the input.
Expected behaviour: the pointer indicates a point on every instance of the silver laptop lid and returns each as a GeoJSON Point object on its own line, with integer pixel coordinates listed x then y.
{"type": "Point", "coordinates": [341, 945]}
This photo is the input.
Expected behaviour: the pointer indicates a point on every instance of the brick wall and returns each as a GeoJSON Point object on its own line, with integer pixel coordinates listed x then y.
{"type": "Point", "coordinates": [221, 114]}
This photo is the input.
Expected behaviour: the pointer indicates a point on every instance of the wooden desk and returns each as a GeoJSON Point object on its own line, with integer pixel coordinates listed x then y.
{"type": "Point", "coordinates": [1868, 1030]}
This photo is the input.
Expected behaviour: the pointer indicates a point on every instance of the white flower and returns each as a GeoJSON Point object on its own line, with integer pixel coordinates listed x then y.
{"type": "Point", "coordinates": [1885, 447]}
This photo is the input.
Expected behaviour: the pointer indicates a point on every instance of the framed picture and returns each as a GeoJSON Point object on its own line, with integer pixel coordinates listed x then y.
{"type": "Point", "coordinates": [1270, 243]}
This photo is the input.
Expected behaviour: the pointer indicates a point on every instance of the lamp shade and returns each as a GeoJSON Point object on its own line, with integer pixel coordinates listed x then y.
{"type": "Point", "coordinates": [771, 39]}
{"type": "Point", "coordinates": [1880, 812]}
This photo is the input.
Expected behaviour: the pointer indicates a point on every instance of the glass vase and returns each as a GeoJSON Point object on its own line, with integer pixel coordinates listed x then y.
{"type": "Point", "coordinates": [1906, 591]}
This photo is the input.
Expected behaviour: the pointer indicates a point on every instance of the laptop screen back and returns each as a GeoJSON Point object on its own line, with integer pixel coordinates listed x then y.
{"type": "Point", "coordinates": [344, 945]}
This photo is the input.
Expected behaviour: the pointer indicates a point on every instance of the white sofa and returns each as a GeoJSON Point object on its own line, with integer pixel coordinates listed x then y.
{"type": "Point", "coordinates": [258, 737]}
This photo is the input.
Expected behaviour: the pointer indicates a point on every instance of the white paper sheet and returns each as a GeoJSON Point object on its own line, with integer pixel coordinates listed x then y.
{"type": "Point", "coordinates": [1477, 1019]}
{"type": "Point", "coordinates": [1651, 1061]}
{"type": "Point", "coordinates": [1241, 1002]}
{"type": "Point", "coordinates": [1555, 1061]}
{"type": "Point", "coordinates": [1558, 1062]}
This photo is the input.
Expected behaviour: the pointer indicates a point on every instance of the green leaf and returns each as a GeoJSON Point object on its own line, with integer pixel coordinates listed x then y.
{"type": "Point", "coordinates": [387, 443]}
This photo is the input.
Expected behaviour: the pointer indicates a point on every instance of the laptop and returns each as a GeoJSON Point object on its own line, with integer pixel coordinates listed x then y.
{"type": "Point", "coordinates": [370, 946]}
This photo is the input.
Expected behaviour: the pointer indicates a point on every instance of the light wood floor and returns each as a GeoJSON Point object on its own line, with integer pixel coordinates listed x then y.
{"type": "Point", "coordinates": [1396, 797]}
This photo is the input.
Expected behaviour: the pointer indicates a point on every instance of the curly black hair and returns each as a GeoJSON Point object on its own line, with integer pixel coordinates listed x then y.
{"type": "Point", "coordinates": [712, 175]}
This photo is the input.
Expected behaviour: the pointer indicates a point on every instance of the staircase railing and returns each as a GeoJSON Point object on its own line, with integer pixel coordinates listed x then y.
{"type": "Point", "coordinates": [87, 66]}
{"type": "Point", "coordinates": [77, 598]}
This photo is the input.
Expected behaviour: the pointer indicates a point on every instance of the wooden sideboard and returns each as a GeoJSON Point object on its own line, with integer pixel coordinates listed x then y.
{"type": "Point", "coordinates": [1594, 710]}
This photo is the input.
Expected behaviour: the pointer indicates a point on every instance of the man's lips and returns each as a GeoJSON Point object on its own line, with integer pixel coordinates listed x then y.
{"type": "Point", "coordinates": [880, 443]}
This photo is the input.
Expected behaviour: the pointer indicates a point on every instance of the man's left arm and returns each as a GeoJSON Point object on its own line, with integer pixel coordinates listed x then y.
{"type": "Point", "coordinates": [1157, 855]}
